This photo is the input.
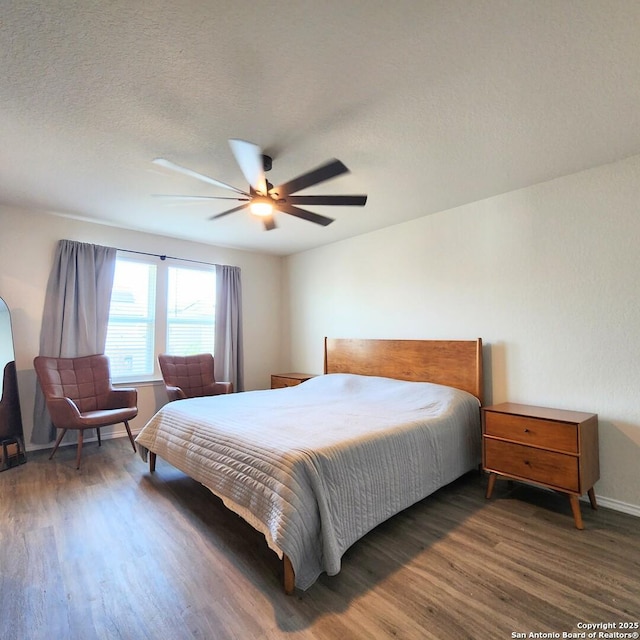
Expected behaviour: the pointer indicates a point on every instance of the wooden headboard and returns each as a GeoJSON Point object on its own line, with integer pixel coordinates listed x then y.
{"type": "Point", "coordinates": [455, 363]}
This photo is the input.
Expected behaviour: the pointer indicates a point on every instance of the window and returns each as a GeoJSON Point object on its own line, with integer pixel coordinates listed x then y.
{"type": "Point", "coordinates": [157, 308]}
{"type": "Point", "coordinates": [191, 311]}
{"type": "Point", "coordinates": [130, 334]}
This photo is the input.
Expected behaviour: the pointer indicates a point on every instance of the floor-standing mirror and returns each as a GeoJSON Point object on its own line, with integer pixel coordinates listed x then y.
{"type": "Point", "coordinates": [11, 437]}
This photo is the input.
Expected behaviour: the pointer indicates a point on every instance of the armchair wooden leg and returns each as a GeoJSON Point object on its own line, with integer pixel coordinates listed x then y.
{"type": "Point", "coordinates": [80, 439]}
{"type": "Point", "coordinates": [58, 440]}
{"type": "Point", "coordinates": [99, 438]}
{"type": "Point", "coordinates": [133, 444]}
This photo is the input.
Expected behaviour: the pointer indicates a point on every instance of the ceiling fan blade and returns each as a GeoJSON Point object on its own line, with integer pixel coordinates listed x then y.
{"type": "Point", "coordinates": [269, 223]}
{"type": "Point", "coordinates": [304, 214]}
{"type": "Point", "coordinates": [354, 201]}
{"type": "Point", "coordinates": [226, 213]}
{"type": "Point", "coordinates": [249, 159]}
{"type": "Point", "coordinates": [196, 198]}
{"type": "Point", "coordinates": [194, 174]}
{"type": "Point", "coordinates": [327, 171]}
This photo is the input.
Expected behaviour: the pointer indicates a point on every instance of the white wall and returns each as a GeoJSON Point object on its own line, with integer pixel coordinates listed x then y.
{"type": "Point", "coordinates": [28, 241]}
{"type": "Point", "coordinates": [548, 277]}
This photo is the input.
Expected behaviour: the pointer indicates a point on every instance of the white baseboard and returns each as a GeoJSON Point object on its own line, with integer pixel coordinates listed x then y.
{"type": "Point", "coordinates": [120, 432]}
{"type": "Point", "coordinates": [617, 505]}
{"type": "Point", "coordinates": [109, 435]}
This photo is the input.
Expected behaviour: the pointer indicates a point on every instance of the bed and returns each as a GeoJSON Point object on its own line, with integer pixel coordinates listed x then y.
{"type": "Point", "coordinates": [316, 466]}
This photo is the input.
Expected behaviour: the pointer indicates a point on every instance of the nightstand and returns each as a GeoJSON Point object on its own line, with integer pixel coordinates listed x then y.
{"type": "Point", "coordinates": [281, 380]}
{"type": "Point", "coordinates": [554, 448]}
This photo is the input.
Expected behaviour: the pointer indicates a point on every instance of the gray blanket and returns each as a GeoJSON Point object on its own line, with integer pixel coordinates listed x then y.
{"type": "Point", "coordinates": [316, 466]}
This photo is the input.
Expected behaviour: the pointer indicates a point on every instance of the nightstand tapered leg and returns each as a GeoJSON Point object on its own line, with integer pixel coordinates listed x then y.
{"type": "Point", "coordinates": [492, 481]}
{"type": "Point", "coordinates": [592, 498]}
{"type": "Point", "coordinates": [575, 508]}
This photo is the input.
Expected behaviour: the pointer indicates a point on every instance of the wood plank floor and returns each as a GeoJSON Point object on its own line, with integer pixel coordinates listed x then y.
{"type": "Point", "coordinates": [112, 552]}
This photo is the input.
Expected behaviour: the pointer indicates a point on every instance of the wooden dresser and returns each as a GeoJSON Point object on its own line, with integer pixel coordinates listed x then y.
{"type": "Point", "coordinates": [281, 380]}
{"type": "Point", "coordinates": [550, 447]}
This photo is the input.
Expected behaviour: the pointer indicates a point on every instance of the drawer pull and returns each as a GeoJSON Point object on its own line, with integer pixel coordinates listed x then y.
{"type": "Point", "coordinates": [526, 430]}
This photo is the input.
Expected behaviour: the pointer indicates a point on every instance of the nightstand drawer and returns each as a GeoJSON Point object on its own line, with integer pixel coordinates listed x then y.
{"type": "Point", "coordinates": [533, 431]}
{"type": "Point", "coordinates": [280, 381]}
{"type": "Point", "coordinates": [546, 467]}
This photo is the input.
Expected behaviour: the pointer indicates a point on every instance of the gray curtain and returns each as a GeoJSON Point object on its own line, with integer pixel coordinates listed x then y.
{"type": "Point", "coordinates": [76, 313]}
{"type": "Point", "coordinates": [228, 352]}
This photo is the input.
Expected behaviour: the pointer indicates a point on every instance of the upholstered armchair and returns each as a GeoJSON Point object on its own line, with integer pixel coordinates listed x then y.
{"type": "Point", "coordinates": [190, 376]}
{"type": "Point", "coordinates": [79, 396]}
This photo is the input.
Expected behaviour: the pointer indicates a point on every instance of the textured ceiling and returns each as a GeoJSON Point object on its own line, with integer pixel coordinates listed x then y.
{"type": "Point", "coordinates": [430, 104]}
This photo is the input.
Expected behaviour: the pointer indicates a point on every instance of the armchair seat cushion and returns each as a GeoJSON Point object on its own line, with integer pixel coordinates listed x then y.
{"type": "Point", "coordinates": [106, 417]}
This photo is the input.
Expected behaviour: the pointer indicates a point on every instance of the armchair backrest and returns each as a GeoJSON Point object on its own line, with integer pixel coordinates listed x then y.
{"type": "Point", "coordinates": [192, 374]}
{"type": "Point", "coordinates": [85, 380]}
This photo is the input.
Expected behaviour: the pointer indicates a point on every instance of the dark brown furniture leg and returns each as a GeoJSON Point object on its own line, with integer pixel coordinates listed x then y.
{"type": "Point", "coordinates": [133, 444]}
{"type": "Point", "coordinates": [57, 444]}
{"type": "Point", "coordinates": [592, 498]}
{"type": "Point", "coordinates": [289, 575]}
{"type": "Point", "coordinates": [152, 461]}
{"type": "Point", "coordinates": [575, 508]}
{"type": "Point", "coordinates": [492, 481]}
{"type": "Point", "coordinates": [80, 439]}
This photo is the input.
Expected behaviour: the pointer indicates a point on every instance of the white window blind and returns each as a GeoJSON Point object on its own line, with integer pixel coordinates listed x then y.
{"type": "Point", "coordinates": [191, 311]}
{"type": "Point", "coordinates": [130, 335]}
{"type": "Point", "coordinates": [158, 309]}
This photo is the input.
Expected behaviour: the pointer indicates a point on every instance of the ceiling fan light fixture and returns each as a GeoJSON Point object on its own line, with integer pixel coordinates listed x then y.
{"type": "Point", "coordinates": [261, 206]}
{"type": "Point", "coordinates": [262, 198]}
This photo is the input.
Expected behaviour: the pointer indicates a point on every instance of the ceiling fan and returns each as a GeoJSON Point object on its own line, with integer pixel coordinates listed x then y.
{"type": "Point", "coordinates": [263, 198]}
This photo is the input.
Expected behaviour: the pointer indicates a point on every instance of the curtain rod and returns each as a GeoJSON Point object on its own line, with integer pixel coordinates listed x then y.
{"type": "Point", "coordinates": [165, 257]}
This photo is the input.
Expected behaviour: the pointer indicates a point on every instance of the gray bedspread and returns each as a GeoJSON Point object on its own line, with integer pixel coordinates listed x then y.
{"type": "Point", "coordinates": [316, 466]}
